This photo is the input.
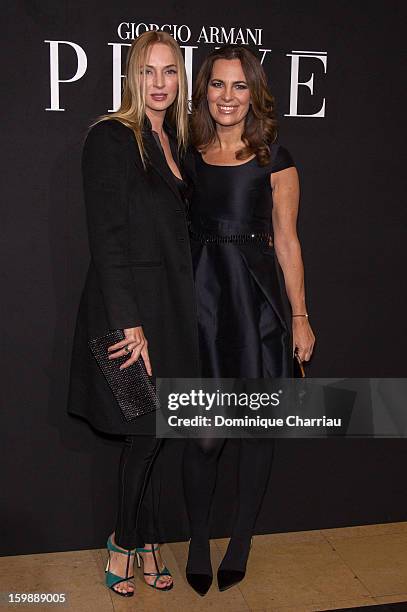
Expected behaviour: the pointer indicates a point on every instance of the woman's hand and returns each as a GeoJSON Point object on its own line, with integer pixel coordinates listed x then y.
{"type": "Point", "coordinates": [137, 343]}
{"type": "Point", "coordinates": [303, 338]}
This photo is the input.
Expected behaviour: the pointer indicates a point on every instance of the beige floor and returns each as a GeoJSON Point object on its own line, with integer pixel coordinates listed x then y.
{"type": "Point", "coordinates": [291, 572]}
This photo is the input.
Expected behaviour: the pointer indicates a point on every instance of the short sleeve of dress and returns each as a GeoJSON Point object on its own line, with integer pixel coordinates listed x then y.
{"type": "Point", "coordinates": [282, 160]}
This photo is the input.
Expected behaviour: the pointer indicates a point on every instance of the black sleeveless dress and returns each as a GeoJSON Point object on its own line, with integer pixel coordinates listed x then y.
{"type": "Point", "coordinates": [244, 314]}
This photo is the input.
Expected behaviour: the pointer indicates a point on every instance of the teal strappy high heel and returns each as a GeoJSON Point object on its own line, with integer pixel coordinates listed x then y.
{"type": "Point", "coordinates": [157, 574]}
{"type": "Point", "coordinates": [112, 579]}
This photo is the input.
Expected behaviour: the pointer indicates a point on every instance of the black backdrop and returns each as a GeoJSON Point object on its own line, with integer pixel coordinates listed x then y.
{"type": "Point", "coordinates": [58, 477]}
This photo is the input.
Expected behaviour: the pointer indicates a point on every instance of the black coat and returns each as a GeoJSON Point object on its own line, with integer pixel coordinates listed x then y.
{"type": "Point", "coordinates": [140, 271]}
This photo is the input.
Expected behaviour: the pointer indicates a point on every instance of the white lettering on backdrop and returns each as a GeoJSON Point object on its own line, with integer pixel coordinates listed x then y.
{"type": "Point", "coordinates": [212, 35]}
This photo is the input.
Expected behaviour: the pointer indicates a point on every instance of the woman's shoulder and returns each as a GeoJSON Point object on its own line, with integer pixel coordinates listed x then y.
{"type": "Point", "coordinates": [106, 148]}
{"type": "Point", "coordinates": [281, 158]}
{"type": "Point", "coordinates": [108, 131]}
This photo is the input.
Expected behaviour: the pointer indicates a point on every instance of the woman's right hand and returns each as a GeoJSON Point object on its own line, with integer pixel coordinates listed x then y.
{"type": "Point", "coordinates": [136, 342]}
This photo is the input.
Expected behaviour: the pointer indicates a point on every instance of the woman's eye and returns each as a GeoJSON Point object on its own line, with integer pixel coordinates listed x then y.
{"type": "Point", "coordinates": [241, 86]}
{"type": "Point", "coordinates": [216, 84]}
{"type": "Point", "coordinates": [145, 71]}
{"type": "Point", "coordinates": [171, 71]}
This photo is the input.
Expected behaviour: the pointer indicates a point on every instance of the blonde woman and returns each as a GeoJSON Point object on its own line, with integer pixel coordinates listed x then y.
{"type": "Point", "coordinates": [140, 280]}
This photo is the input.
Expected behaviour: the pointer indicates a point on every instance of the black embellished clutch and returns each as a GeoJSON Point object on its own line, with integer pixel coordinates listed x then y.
{"type": "Point", "coordinates": [299, 371]}
{"type": "Point", "coordinates": [132, 387]}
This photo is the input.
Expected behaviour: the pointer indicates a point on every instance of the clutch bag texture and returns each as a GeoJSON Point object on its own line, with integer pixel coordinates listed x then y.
{"type": "Point", "coordinates": [132, 387]}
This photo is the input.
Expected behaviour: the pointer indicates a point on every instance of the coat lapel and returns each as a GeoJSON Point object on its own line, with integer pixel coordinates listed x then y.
{"type": "Point", "coordinates": [159, 163]}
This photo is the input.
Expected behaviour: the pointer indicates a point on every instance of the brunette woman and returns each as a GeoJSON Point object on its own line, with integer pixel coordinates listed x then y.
{"type": "Point", "coordinates": [249, 281]}
{"type": "Point", "coordinates": [140, 280]}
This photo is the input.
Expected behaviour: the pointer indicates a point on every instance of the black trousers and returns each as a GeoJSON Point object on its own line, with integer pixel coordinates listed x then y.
{"type": "Point", "coordinates": [137, 502]}
{"type": "Point", "coordinates": [200, 472]}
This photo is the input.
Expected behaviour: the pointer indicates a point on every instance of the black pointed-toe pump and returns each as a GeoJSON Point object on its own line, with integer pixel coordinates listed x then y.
{"type": "Point", "coordinates": [199, 577]}
{"type": "Point", "coordinates": [229, 577]}
{"type": "Point", "coordinates": [201, 583]}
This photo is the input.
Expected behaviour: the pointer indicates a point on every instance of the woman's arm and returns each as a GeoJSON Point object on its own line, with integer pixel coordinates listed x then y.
{"type": "Point", "coordinates": [286, 193]}
{"type": "Point", "coordinates": [104, 169]}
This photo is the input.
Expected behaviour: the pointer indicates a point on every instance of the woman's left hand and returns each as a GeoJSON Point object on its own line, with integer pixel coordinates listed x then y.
{"type": "Point", "coordinates": [303, 338]}
{"type": "Point", "coordinates": [133, 337]}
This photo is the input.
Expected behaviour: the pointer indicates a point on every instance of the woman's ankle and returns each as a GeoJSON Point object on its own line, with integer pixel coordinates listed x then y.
{"type": "Point", "coordinates": [237, 553]}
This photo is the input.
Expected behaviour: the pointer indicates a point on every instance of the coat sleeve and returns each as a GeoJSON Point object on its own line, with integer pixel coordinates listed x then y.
{"type": "Point", "coordinates": [104, 172]}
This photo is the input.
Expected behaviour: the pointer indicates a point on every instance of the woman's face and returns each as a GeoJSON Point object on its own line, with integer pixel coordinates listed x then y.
{"type": "Point", "coordinates": [161, 77]}
{"type": "Point", "coordinates": [228, 93]}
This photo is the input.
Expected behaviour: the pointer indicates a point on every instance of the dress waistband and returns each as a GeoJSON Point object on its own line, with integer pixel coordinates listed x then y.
{"type": "Point", "coordinates": [206, 238]}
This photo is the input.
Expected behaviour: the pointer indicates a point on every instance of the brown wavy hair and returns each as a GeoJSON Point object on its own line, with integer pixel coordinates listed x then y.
{"type": "Point", "coordinates": [260, 129]}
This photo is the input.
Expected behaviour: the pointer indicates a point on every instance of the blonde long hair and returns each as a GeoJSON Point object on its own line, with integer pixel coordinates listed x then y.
{"type": "Point", "coordinates": [132, 110]}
